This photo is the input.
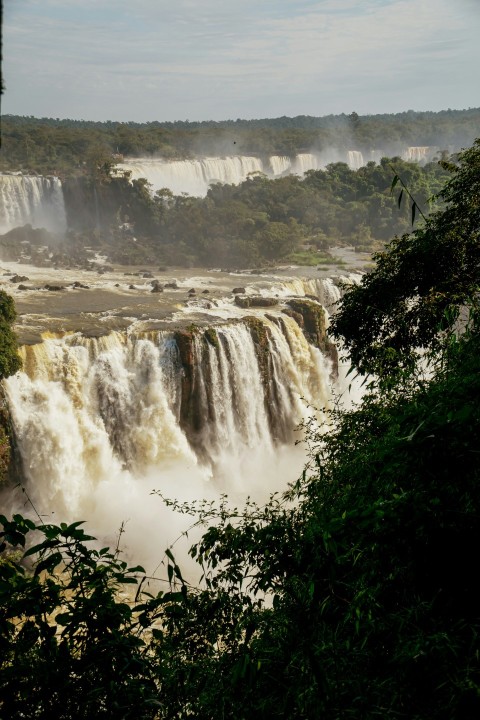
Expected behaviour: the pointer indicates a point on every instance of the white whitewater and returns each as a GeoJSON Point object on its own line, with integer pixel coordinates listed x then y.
{"type": "Point", "coordinates": [37, 201]}
{"type": "Point", "coordinates": [98, 423]}
{"type": "Point", "coordinates": [192, 176]}
{"type": "Point", "coordinates": [355, 159]}
{"type": "Point", "coordinates": [280, 165]}
{"type": "Point", "coordinates": [195, 176]}
{"type": "Point", "coordinates": [416, 154]}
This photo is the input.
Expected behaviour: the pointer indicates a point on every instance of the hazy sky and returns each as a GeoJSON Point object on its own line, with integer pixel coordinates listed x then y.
{"type": "Point", "coordinates": [217, 59]}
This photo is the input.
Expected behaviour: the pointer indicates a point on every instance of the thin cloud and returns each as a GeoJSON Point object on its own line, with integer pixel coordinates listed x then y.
{"type": "Point", "coordinates": [105, 58]}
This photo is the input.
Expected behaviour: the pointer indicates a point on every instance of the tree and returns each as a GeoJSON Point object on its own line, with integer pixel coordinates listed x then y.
{"type": "Point", "coordinates": [70, 646]}
{"type": "Point", "coordinates": [9, 359]}
{"type": "Point", "coordinates": [420, 282]}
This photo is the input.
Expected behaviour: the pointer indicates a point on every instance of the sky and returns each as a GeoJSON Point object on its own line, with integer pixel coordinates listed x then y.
{"type": "Point", "coordinates": [146, 60]}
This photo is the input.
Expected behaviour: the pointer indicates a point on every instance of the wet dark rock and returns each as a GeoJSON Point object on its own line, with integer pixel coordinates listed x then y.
{"type": "Point", "coordinates": [239, 291]}
{"type": "Point", "coordinates": [19, 278]}
{"type": "Point", "coordinates": [190, 418]}
{"type": "Point", "coordinates": [147, 275]}
{"type": "Point", "coordinates": [314, 328]}
{"type": "Point", "coordinates": [171, 286]}
{"type": "Point", "coordinates": [210, 335]}
{"type": "Point", "coordinates": [80, 286]}
{"type": "Point", "coordinates": [156, 287]}
{"type": "Point", "coordinates": [54, 288]}
{"type": "Point", "coordinates": [117, 285]}
{"type": "Point", "coordinates": [248, 301]}
{"type": "Point", "coordinates": [24, 287]}
{"type": "Point", "coordinates": [205, 292]}
{"type": "Point", "coordinates": [132, 287]}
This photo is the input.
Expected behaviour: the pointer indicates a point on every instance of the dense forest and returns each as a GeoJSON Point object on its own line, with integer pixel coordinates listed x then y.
{"type": "Point", "coordinates": [259, 222]}
{"type": "Point", "coordinates": [353, 595]}
{"type": "Point", "coordinates": [65, 147]}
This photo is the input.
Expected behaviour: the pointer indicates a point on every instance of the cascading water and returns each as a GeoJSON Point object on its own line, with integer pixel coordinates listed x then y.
{"type": "Point", "coordinates": [195, 176]}
{"type": "Point", "coordinates": [306, 161]}
{"type": "Point", "coordinates": [355, 159]}
{"type": "Point", "coordinates": [280, 164]}
{"type": "Point", "coordinates": [192, 176]}
{"type": "Point", "coordinates": [100, 422]}
{"type": "Point", "coordinates": [416, 154]}
{"type": "Point", "coordinates": [37, 201]}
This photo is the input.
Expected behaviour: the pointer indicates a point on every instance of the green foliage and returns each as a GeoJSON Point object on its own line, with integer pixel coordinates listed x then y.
{"type": "Point", "coordinates": [9, 358]}
{"type": "Point", "coordinates": [420, 282]}
{"type": "Point", "coordinates": [258, 222]}
{"type": "Point", "coordinates": [70, 645]}
{"type": "Point", "coordinates": [51, 145]}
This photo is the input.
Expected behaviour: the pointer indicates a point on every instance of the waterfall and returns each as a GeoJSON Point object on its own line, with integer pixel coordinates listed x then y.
{"type": "Point", "coordinates": [192, 176]}
{"type": "Point", "coordinates": [37, 201]}
{"type": "Point", "coordinates": [280, 164]}
{"type": "Point", "coordinates": [416, 154]}
{"type": "Point", "coordinates": [195, 176]}
{"type": "Point", "coordinates": [125, 412]}
{"type": "Point", "coordinates": [355, 159]}
{"type": "Point", "coordinates": [306, 161]}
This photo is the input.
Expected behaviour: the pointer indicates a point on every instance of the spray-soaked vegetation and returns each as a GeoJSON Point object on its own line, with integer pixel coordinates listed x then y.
{"type": "Point", "coordinates": [354, 595]}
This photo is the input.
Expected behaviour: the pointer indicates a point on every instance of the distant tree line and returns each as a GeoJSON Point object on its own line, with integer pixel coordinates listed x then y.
{"type": "Point", "coordinates": [65, 147]}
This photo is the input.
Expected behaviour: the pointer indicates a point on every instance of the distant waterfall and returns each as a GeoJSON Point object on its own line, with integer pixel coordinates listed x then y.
{"type": "Point", "coordinates": [192, 176]}
{"type": "Point", "coordinates": [280, 164]}
{"type": "Point", "coordinates": [195, 176]}
{"type": "Point", "coordinates": [37, 201]}
{"type": "Point", "coordinates": [416, 154]}
{"type": "Point", "coordinates": [355, 159]}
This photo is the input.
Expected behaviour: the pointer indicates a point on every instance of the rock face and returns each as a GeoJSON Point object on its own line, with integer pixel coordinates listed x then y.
{"type": "Point", "coordinates": [190, 410]}
{"type": "Point", "coordinates": [19, 278]}
{"type": "Point", "coordinates": [314, 327]}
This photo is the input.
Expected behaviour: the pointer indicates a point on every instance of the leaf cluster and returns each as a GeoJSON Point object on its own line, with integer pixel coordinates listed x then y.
{"type": "Point", "coordinates": [420, 282]}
